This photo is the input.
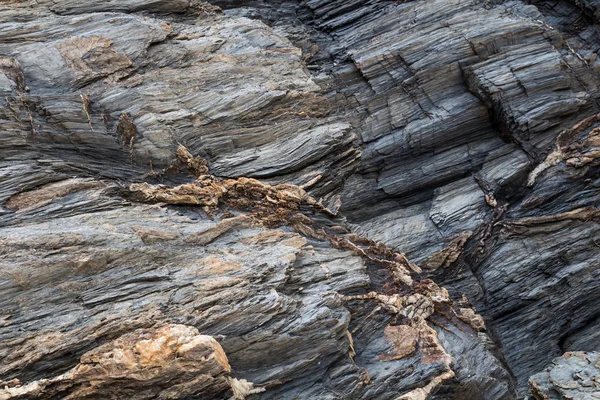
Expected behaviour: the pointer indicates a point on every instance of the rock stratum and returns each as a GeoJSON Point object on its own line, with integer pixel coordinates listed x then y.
{"type": "Point", "coordinates": [321, 199]}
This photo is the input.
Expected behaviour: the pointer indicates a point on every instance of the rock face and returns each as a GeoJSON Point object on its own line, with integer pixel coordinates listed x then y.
{"type": "Point", "coordinates": [575, 375]}
{"type": "Point", "coordinates": [318, 200]}
{"type": "Point", "coordinates": [144, 364]}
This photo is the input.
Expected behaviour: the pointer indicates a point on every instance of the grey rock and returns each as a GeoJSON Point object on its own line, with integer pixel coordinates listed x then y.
{"type": "Point", "coordinates": [572, 376]}
{"type": "Point", "coordinates": [462, 134]}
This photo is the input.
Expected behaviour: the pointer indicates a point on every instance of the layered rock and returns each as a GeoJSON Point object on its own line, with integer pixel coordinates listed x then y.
{"type": "Point", "coordinates": [192, 179]}
{"type": "Point", "coordinates": [463, 105]}
{"type": "Point", "coordinates": [166, 362]}
{"type": "Point", "coordinates": [271, 296]}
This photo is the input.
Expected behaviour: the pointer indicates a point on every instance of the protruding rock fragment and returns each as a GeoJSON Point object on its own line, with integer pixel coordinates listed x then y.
{"type": "Point", "coordinates": [575, 375]}
{"type": "Point", "coordinates": [169, 362]}
{"type": "Point", "coordinates": [403, 340]}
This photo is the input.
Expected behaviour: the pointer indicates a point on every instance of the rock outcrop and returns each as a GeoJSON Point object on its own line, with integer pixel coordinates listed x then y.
{"type": "Point", "coordinates": [318, 200]}
{"type": "Point", "coordinates": [575, 375]}
{"type": "Point", "coordinates": [165, 362]}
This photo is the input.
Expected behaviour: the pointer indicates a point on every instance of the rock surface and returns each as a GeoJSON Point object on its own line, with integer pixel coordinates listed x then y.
{"type": "Point", "coordinates": [575, 375]}
{"type": "Point", "coordinates": [144, 364]}
{"type": "Point", "coordinates": [320, 199]}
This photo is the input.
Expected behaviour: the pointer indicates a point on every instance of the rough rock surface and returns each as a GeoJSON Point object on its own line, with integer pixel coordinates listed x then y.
{"type": "Point", "coordinates": [575, 375]}
{"type": "Point", "coordinates": [143, 364]}
{"type": "Point", "coordinates": [319, 199]}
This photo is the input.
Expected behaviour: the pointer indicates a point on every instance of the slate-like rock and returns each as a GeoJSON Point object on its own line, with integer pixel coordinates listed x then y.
{"type": "Point", "coordinates": [320, 199]}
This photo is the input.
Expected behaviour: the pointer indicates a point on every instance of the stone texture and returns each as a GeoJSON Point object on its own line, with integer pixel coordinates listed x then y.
{"type": "Point", "coordinates": [172, 360]}
{"type": "Point", "coordinates": [575, 375]}
{"type": "Point", "coordinates": [462, 102]}
{"type": "Point", "coordinates": [326, 199]}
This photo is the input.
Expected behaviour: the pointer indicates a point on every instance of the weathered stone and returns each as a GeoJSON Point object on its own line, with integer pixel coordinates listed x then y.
{"type": "Point", "coordinates": [282, 182]}
{"type": "Point", "coordinates": [166, 362]}
{"type": "Point", "coordinates": [575, 375]}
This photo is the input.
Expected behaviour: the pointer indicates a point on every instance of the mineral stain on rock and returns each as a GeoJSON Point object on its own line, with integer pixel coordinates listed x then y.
{"type": "Point", "coordinates": [316, 199]}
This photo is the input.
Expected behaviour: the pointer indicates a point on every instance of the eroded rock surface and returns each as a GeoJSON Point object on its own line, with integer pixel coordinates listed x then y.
{"type": "Point", "coordinates": [575, 375]}
{"type": "Point", "coordinates": [165, 362]}
{"type": "Point", "coordinates": [321, 199]}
